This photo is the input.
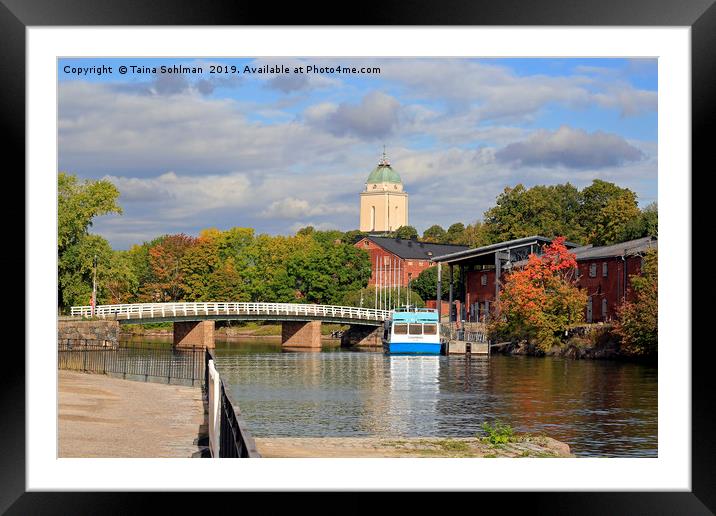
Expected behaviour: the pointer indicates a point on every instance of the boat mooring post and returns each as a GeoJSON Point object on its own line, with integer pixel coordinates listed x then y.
{"type": "Point", "coordinates": [439, 292]}
{"type": "Point", "coordinates": [450, 295]}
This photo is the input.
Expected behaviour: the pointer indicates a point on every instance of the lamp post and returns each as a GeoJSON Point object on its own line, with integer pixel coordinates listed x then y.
{"type": "Point", "coordinates": [94, 284]}
{"type": "Point", "coordinates": [407, 302]}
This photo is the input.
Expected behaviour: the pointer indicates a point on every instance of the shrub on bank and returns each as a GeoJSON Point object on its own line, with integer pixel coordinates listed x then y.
{"type": "Point", "coordinates": [638, 324]}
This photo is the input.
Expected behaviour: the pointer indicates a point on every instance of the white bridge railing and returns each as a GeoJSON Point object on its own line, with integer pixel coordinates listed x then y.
{"type": "Point", "coordinates": [157, 310]}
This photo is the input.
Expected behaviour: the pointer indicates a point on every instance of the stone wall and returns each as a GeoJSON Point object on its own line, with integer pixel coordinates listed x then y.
{"type": "Point", "coordinates": [92, 333]}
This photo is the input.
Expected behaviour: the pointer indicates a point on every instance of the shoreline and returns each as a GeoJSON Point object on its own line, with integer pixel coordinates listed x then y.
{"type": "Point", "coordinates": [169, 334]}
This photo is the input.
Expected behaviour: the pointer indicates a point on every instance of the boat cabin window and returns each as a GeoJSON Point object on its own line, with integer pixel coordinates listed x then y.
{"type": "Point", "coordinates": [416, 329]}
{"type": "Point", "coordinates": [400, 329]}
{"type": "Point", "coordinates": [430, 329]}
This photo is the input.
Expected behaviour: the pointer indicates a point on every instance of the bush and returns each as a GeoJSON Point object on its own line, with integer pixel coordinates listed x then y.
{"type": "Point", "coordinates": [498, 433]}
{"type": "Point", "coordinates": [638, 323]}
{"type": "Point", "coordinates": [541, 300]}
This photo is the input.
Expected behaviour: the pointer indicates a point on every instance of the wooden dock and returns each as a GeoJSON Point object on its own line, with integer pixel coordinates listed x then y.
{"type": "Point", "coordinates": [462, 347]}
{"type": "Point", "coordinates": [100, 416]}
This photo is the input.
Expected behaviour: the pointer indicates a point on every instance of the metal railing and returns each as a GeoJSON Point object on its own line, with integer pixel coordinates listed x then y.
{"type": "Point", "coordinates": [450, 332]}
{"type": "Point", "coordinates": [168, 310]}
{"type": "Point", "coordinates": [228, 433]}
{"type": "Point", "coordinates": [179, 365]}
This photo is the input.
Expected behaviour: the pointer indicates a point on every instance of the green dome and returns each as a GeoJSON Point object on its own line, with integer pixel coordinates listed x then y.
{"type": "Point", "coordinates": [383, 173]}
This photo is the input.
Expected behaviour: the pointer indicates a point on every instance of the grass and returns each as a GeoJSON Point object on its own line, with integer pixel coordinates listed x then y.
{"type": "Point", "coordinates": [474, 448]}
{"type": "Point", "coordinates": [453, 445]}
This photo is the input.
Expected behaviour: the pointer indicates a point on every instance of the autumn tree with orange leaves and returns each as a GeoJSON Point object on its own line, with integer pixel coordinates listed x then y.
{"type": "Point", "coordinates": [165, 258]}
{"type": "Point", "coordinates": [541, 300]}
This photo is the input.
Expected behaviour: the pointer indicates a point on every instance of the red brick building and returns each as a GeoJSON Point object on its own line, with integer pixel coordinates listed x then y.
{"type": "Point", "coordinates": [603, 271]}
{"type": "Point", "coordinates": [396, 260]}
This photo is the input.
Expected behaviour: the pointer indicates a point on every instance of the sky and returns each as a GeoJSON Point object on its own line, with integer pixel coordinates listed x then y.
{"type": "Point", "coordinates": [277, 151]}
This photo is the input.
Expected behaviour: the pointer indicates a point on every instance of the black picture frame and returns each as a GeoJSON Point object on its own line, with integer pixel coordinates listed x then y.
{"type": "Point", "coordinates": [700, 15]}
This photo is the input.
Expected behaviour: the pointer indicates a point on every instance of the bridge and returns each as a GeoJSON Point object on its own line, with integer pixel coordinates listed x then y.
{"type": "Point", "coordinates": [194, 322]}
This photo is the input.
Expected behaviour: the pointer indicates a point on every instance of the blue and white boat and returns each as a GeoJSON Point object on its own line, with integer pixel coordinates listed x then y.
{"type": "Point", "coordinates": [412, 331]}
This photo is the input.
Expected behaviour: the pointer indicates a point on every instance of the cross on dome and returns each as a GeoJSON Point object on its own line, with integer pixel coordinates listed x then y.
{"type": "Point", "coordinates": [384, 160]}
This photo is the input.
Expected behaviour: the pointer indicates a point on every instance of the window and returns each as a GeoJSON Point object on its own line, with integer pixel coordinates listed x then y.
{"type": "Point", "coordinates": [592, 270]}
{"type": "Point", "coordinates": [605, 268]}
{"type": "Point", "coordinates": [430, 329]}
{"type": "Point", "coordinates": [415, 329]}
{"type": "Point", "coordinates": [604, 307]}
{"type": "Point", "coordinates": [372, 218]}
{"type": "Point", "coordinates": [483, 280]}
{"type": "Point", "coordinates": [400, 329]}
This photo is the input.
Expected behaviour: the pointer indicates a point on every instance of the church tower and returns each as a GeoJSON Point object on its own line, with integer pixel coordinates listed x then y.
{"type": "Point", "coordinates": [383, 203]}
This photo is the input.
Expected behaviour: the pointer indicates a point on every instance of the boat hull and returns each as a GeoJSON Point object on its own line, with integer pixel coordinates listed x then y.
{"type": "Point", "coordinates": [412, 348]}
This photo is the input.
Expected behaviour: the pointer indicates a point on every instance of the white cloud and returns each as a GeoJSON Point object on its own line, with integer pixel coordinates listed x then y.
{"type": "Point", "coordinates": [292, 208]}
{"type": "Point", "coordinates": [105, 131]}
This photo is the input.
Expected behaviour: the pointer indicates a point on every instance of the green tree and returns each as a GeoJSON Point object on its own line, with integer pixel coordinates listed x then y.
{"type": "Point", "coordinates": [198, 265]}
{"type": "Point", "coordinates": [328, 237]}
{"type": "Point", "coordinates": [638, 321]}
{"type": "Point", "coordinates": [76, 270]}
{"type": "Point", "coordinates": [325, 274]}
{"type": "Point", "coordinates": [610, 224]}
{"type": "Point", "coordinates": [118, 282]}
{"type": "Point", "coordinates": [435, 234]}
{"type": "Point", "coordinates": [265, 273]}
{"type": "Point", "coordinates": [426, 284]}
{"type": "Point", "coordinates": [541, 210]}
{"type": "Point", "coordinates": [78, 203]}
{"type": "Point", "coordinates": [353, 236]}
{"type": "Point", "coordinates": [406, 232]}
{"type": "Point", "coordinates": [455, 233]}
{"type": "Point", "coordinates": [605, 211]}
{"type": "Point", "coordinates": [225, 283]}
{"type": "Point", "coordinates": [367, 297]}
{"type": "Point", "coordinates": [646, 224]}
{"type": "Point", "coordinates": [474, 235]}
{"type": "Point", "coordinates": [307, 230]}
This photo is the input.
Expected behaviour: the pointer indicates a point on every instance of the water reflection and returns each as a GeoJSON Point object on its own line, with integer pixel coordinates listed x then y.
{"type": "Point", "coordinates": [600, 408]}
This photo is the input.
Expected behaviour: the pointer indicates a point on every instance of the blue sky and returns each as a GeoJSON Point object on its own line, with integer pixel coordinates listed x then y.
{"type": "Point", "coordinates": [278, 152]}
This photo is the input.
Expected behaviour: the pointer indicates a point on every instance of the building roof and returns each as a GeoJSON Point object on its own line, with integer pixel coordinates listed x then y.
{"type": "Point", "coordinates": [628, 248]}
{"type": "Point", "coordinates": [384, 173]}
{"type": "Point", "coordinates": [414, 249]}
{"type": "Point", "coordinates": [500, 246]}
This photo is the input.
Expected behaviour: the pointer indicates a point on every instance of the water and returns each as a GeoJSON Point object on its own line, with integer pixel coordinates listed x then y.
{"type": "Point", "coordinates": [600, 408]}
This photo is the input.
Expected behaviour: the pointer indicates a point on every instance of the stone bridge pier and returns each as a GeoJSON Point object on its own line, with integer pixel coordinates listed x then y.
{"type": "Point", "coordinates": [363, 337]}
{"type": "Point", "coordinates": [301, 335]}
{"type": "Point", "coordinates": [194, 333]}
